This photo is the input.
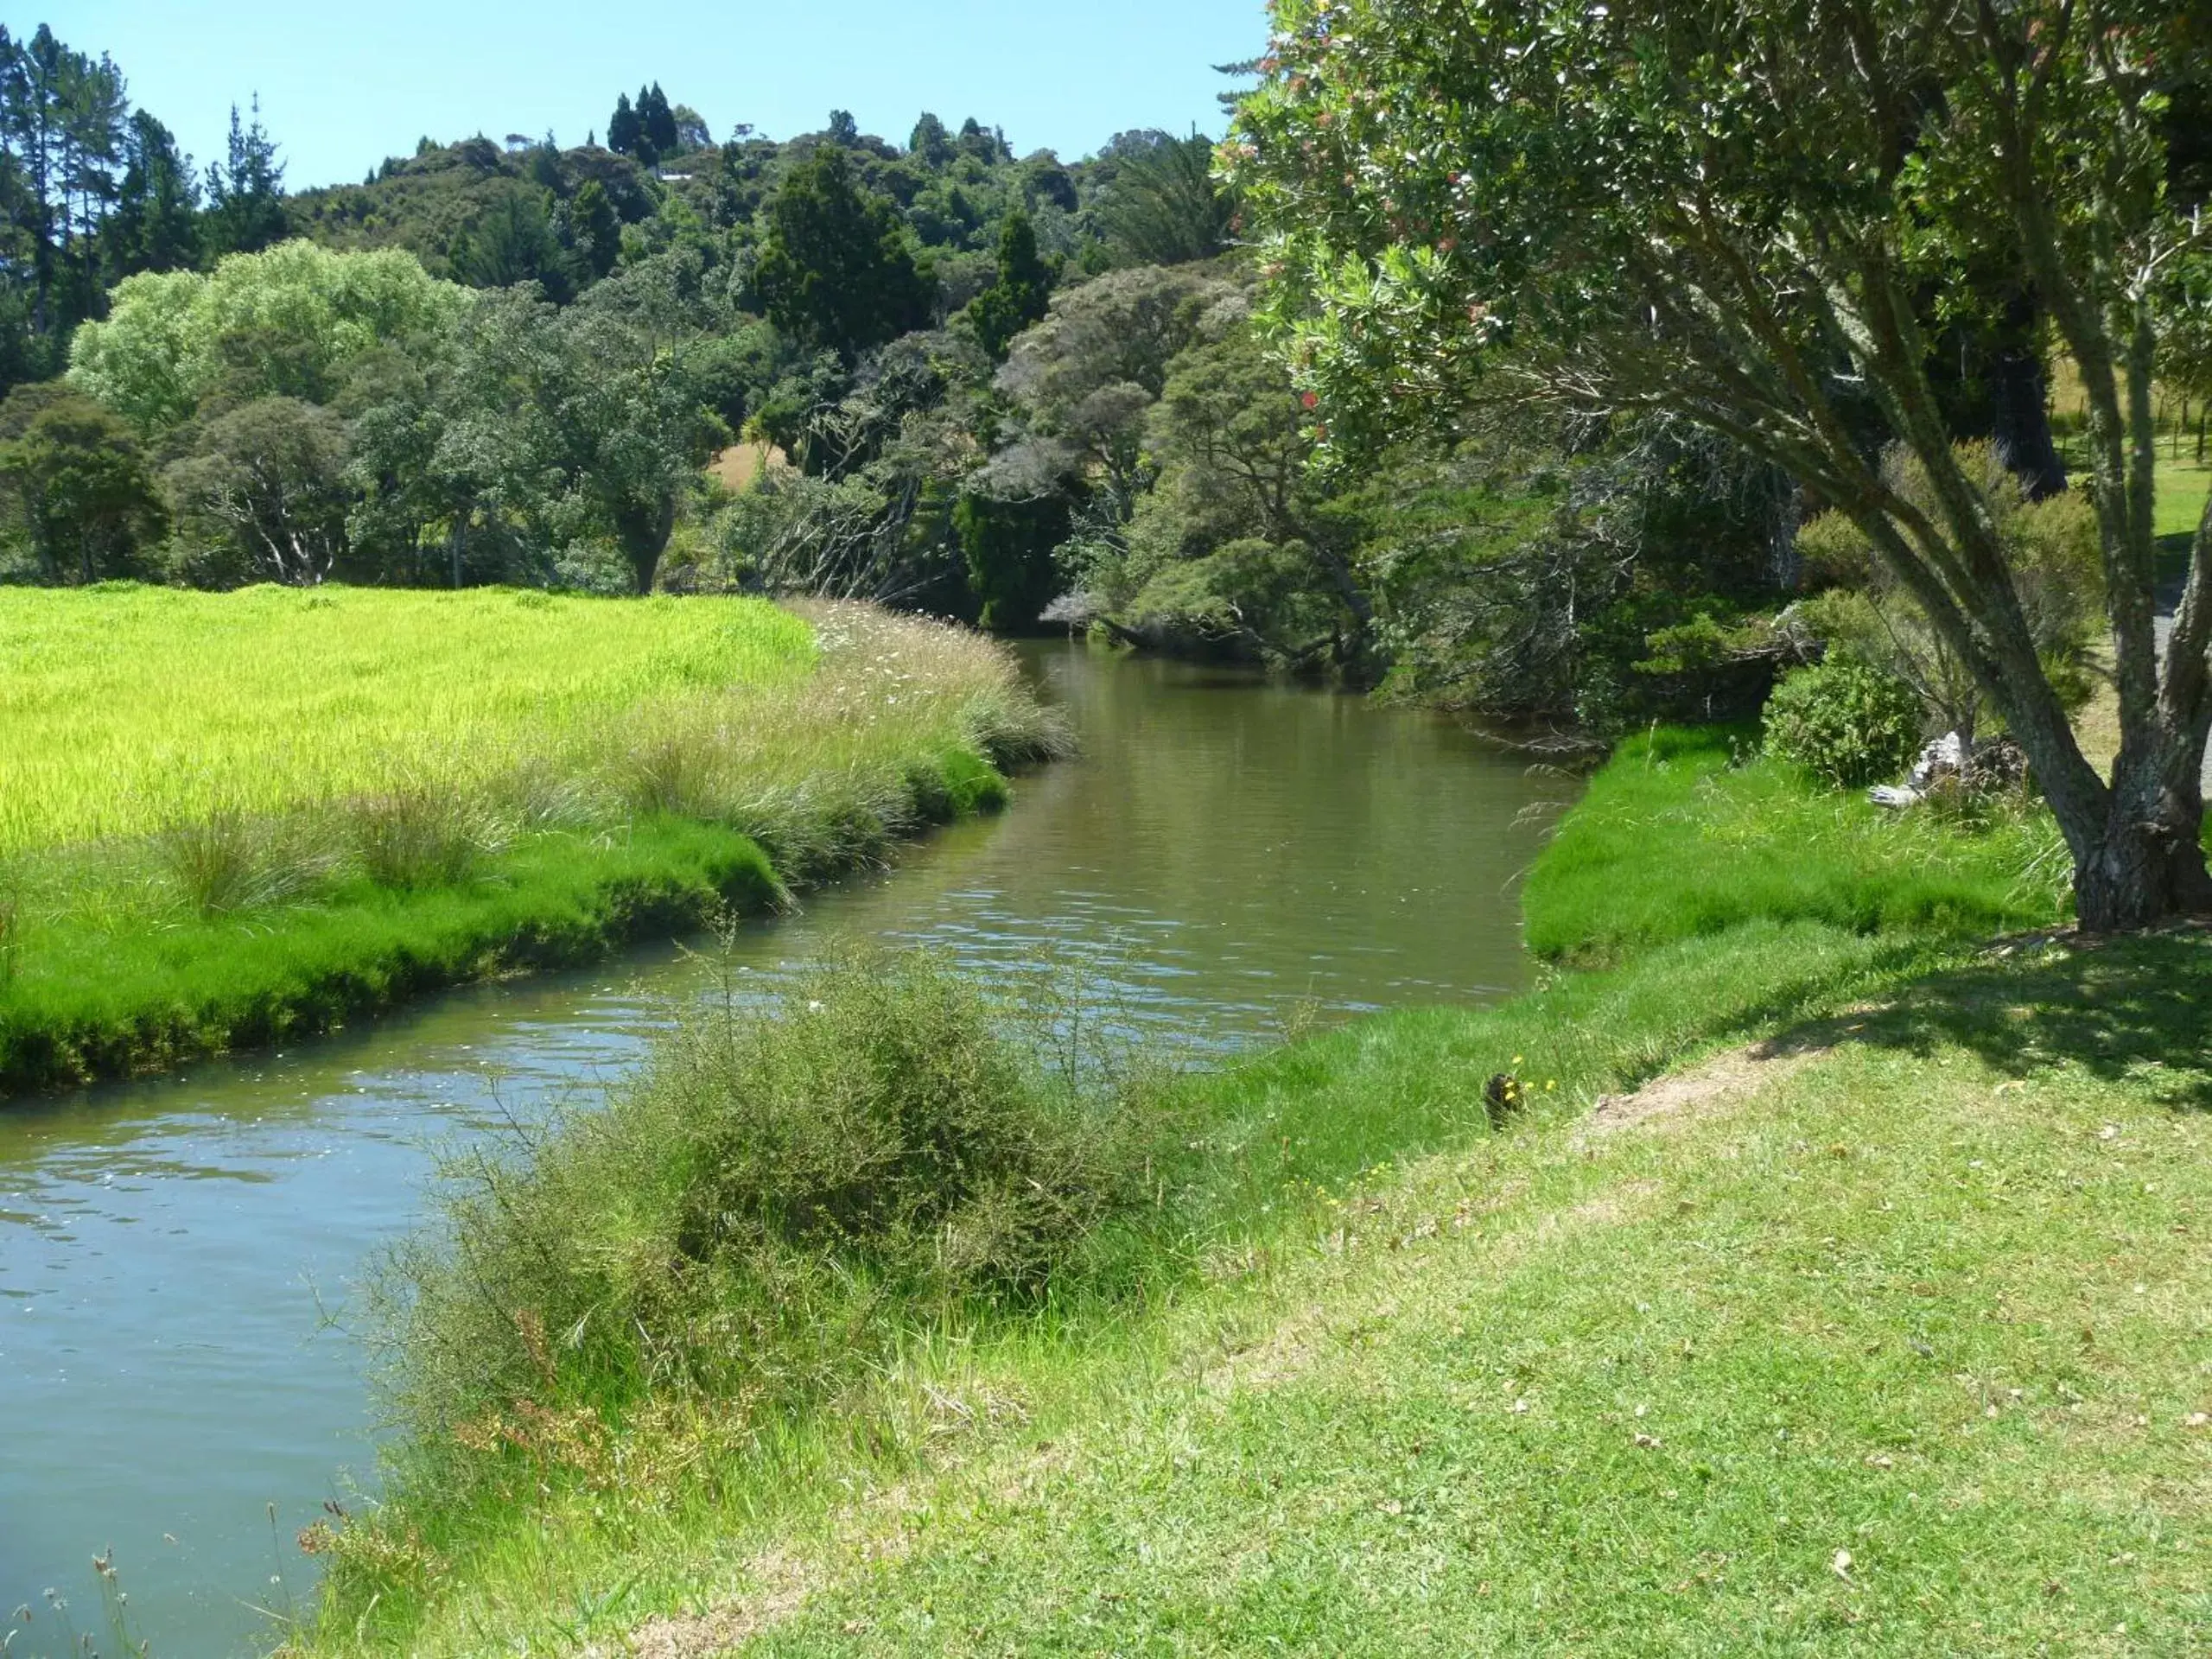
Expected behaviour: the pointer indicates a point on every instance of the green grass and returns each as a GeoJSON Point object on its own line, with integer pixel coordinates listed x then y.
{"type": "Point", "coordinates": [1687, 834]}
{"type": "Point", "coordinates": [1361, 1373]}
{"type": "Point", "coordinates": [1900, 1352]}
{"type": "Point", "coordinates": [129, 709]}
{"type": "Point", "coordinates": [328, 803]}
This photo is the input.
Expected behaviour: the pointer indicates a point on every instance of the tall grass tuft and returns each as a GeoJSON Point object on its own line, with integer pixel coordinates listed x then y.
{"type": "Point", "coordinates": [228, 860]}
{"type": "Point", "coordinates": [413, 834]}
{"type": "Point", "coordinates": [761, 1219]}
{"type": "Point", "coordinates": [11, 920]}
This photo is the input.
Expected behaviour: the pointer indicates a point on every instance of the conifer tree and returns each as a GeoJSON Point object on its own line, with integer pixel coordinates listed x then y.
{"type": "Point", "coordinates": [245, 197]}
{"type": "Point", "coordinates": [623, 127]}
{"type": "Point", "coordinates": [1021, 293]}
{"type": "Point", "coordinates": [658, 121]}
{"type": "Point", "coordinates": [835, 269]}
{"type": "Point", "coordinates": [156, 226]}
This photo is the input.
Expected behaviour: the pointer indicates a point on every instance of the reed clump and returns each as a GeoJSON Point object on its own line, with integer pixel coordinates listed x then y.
{"type": "Point", "coordinates": [228, 860]}
{"type": "Point", "coordinates": [414, 835]}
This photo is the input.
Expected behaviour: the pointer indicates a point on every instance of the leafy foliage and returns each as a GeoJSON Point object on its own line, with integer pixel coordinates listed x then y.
{"type": "Point", "coordinates": [1756, 218]}
{"type": "Point", "coordinates": [1845, 721]}
{"type": "Point", "coordinates": [836, 270]}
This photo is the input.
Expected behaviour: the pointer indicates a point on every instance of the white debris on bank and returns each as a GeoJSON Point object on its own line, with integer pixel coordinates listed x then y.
{"type": "Point", "coordinates": [1994, 763]}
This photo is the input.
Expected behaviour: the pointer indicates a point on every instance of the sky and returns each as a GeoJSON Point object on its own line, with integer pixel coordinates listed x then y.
{"type": "Point", "coordinates": [343, 86]}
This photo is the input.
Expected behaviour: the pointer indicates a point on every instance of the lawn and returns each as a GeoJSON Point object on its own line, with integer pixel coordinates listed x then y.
{"type": "Point", "coordinates": [1831, 1288]}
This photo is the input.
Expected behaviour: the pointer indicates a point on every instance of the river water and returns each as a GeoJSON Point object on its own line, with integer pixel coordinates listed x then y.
{"type": "Point", "coordinates": [177, 1382]}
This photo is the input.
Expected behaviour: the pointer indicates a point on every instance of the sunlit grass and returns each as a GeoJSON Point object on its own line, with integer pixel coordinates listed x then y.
{"type": "Point", "coordinates": [1689, 833]}
{"type": "Point", "coordinates": [122, 709]}
{"type": "Point", "coordinates": [233, 817]}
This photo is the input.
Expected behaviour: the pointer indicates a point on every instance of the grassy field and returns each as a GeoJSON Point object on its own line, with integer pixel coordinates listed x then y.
{"type": "Point", "coordinates": [230, 818]}
{"type": "Point", "coordinates": [1830, 1286]}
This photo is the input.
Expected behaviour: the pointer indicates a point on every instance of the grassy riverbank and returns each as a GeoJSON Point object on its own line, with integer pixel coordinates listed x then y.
{"type": "Point", "coordinates": [1880, 1335]}
{"type": "Point", "coordinates": [233, 819]}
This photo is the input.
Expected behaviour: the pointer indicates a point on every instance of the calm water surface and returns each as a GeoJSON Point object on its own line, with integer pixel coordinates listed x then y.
{"type": "Point", "coordinates": [175, 1379]}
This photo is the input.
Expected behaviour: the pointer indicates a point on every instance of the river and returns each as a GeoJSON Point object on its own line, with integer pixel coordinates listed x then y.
{"type": "Point", "coordinates": [176, 1379]}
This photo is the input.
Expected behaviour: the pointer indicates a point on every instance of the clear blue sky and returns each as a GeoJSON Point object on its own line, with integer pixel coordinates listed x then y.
{"type": "Point", "coordinates": [342, 86]}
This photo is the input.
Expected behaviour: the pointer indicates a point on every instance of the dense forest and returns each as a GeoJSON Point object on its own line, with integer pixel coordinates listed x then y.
{"type": "Point", "coordinates": [1007, 388]}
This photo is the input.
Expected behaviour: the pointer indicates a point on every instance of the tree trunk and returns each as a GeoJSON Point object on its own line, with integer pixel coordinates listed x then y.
{"type": "Point", "coordinates": [644, 532]}
{"type": "Point", "coordinates": [2140, 874]}
{"type": "Point", "coordinates": [2020, 404]}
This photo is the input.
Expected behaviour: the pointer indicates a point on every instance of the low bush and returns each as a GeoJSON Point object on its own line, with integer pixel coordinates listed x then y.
{"type": "Point", "coordinates": [760, 1218]}
{"type": "Point", "coordinates": [228, 860]}
{"type": "Point", "coordinates": [1846, 723]}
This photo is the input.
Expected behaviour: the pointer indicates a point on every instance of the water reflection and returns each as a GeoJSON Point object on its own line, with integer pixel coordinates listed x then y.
{"type": "Point", "coordinates": [1224, 856]}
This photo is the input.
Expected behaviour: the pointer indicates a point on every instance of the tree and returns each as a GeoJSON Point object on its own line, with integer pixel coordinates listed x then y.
{"type": "Point", "coordinates": [270, 474]}
{"type": "Point", "coordinates": [245, 195]}
{"type": "Point", "coordinates": [595, 233]}
{"type": "Point", "coordinates": [512, 241]}
{"type": "Point", "coordinates": [624, 129]}
{"type": "Point", "coordinates": [1020, 296]}
{"type": "Point", "coordinates": [1161, 205]}
{"type": "Point", "coordinates": [1082, 380]}
{"type": "Point", "coordinates": [155, 224]}
{"type": "Point", "coordinates": [930, 144]}
{"type": "Point", "coordinates": [1006, 547]}
{"type": "Point", "coordinates": [61, 125]}
{"type": "Point", "coordinates": [1737, 216]}
{"type": "Point", "coordinates": [284, 321]}
{"type": "Point", "coordinates": [78, 487]}
{"type": "Point", "coordinates": [836, 270]}
{"type": "Point", "coordinates": [657, 122]}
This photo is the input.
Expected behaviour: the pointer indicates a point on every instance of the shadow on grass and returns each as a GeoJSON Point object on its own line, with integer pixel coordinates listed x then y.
{"type": "Point", "coordinates": [2135, 1009]}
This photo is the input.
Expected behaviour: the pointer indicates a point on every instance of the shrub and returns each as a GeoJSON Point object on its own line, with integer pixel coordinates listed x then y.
{"type": "Point", "coordinates": [761, 1216]}
{"type": "Point", "coordinates": [1843, 722]}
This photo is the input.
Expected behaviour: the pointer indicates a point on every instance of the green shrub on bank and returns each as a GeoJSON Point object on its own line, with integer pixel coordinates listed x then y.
{"type": "Point", "coordinates": [758, 1221]}
{"type": "Point", "coordinates": [1679, 838]}
{"type": "Point", "coordinates": [1846, 723]}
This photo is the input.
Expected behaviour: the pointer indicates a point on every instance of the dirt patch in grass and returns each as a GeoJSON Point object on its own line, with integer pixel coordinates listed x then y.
{"type": "Point", "coordinates": [1697, 1092]}
{"type": "Point", "coordinates": [782, 1583]}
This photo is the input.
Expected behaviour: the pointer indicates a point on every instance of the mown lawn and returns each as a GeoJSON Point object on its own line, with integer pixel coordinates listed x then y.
{"type": "Point", "coordinates": [1898, 1345]}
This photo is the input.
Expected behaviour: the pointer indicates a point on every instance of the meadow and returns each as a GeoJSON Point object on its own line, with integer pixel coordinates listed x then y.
{"type": "Point", "coordinates": [230, 818]}
{"type": "Point", "coordinates": [1803, 1274]}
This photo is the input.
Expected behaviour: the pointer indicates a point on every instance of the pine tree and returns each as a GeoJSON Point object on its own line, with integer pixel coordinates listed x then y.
{"type": "Point", "coordinates": [623, 127]}
{"type": "Point", "coordinates": [594, 234]}
{"type": "Point", "coordinates": [62, 125]}
{"type": "Point", "coordinates": [1021, 293]}
{"type": "Point", "coordinates": [930, 144]}
{"type": "Point", "coordinates": [246, 197]}
{"type": "Point", "coordinates": [659, 120]}
{"type": "Point", "coordinates": [156, 226]}
{"type": "Point", "coordinates": [835, 269]}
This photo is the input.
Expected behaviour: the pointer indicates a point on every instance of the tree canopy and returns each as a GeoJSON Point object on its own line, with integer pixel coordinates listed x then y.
{"type": "Point", "coordinates": [1754, 217]}
{"type": "Point", "coordinates": [836, 268]}
{"type": "Point", "coordinates": [288, 319]}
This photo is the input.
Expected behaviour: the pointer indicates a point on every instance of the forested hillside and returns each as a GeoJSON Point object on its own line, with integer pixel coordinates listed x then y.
{"type": "Point", "coordinates": [1010, 388]}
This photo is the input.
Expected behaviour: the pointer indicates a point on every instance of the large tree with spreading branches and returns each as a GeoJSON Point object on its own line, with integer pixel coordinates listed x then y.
{"type": "Point", "coordinates": [1757, 215]}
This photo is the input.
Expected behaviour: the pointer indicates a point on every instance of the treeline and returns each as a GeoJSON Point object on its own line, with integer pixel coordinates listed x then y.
{"type": "Point", "coordinates": [935, 373]}
{"type": "Point", "coordinates": [93, 191]}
